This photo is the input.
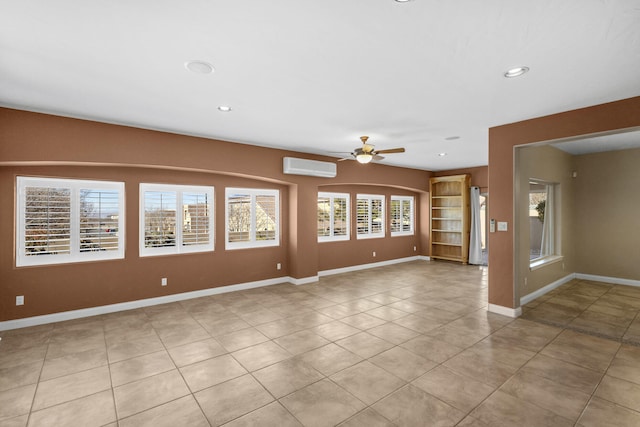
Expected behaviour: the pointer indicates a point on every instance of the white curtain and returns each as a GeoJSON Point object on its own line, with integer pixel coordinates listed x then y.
{"type": "Point", "coordinates": [475, 239]}
{"type": "Point", "coordinates": [548, 226]}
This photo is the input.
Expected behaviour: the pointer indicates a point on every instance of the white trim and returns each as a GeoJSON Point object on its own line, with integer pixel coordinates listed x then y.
{"type": "Point", "coordinates": [402, 200]}
{"type": "Point", "coordinates": [505, 311]}
{"type": "Point", "coordinates": [179, 247]}
{"type": "Point", "coordinates": [252, 193]}
{"type": "Point", "coordinates": [367, 266]}
{"type": "Point", "coordinates": [332, 198]}
{"type": "Point", "coordinates": [370, 198]}
{"type": "Point", "coordinates": [551, 286]}
{"type": "Point", "coordinates": [303, 281]}
{"type": "Point", "coordinates": [75, 188]}
{"type": "Point", "coordinates": [424, 258]}
{"type": "Point", "coordinates": [543, 262]}
{"type": "Point", "coordinates": [130, 305]}
{"type": "Point", "coordinates": [606, 279]}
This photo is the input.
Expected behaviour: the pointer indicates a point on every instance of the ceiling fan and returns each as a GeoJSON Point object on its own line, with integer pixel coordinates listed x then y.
{"type": "Point", "coordinates": [367, 152]}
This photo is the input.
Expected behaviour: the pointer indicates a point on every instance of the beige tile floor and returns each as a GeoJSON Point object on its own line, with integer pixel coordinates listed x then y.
{"type": "Point", "coordinates": [407, 345]}
{"type": "Point", "coordinates": [596, 308]}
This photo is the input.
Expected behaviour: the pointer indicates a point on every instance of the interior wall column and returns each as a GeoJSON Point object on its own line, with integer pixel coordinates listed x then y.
{"type": "Point", "coordinates": [303, 239]}
{"type": "Point", "coordinates": [603, 118]}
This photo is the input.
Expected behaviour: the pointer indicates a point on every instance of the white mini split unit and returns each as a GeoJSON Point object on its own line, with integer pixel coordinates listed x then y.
{"type": "Point", "coordinates": [293, 166]}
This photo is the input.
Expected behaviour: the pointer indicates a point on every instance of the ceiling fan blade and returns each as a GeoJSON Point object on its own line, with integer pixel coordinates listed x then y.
{"type": "Point", "coordinates": [390, 151]}
{"type": "Point", "coordinates": [377, 157]}
{"type": "Point", "coordinates": [343, 159]}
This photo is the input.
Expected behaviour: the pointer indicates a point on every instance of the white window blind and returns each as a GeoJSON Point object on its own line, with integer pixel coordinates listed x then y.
{"type": "Point", "coordinates": [98, 220]}
{"type": "Point", "coordinates": [175, 219]}
{"type": "Point", "coordinates": [370, 216]}
{"type": "Point", "coordinates": [252, 218]}
{"type": "Point", "coordinates": [160, 218]}
{"type": "Point", "coordinates": [324, 216]}
{"type": "Point", "coordinates": [67, 220]}
{"type": "Point", "coordinates": [402, 216]}
{"type": "Point", "coordinates": [333, 216]}
{"type": "Point", "coordinates": [197, 215]}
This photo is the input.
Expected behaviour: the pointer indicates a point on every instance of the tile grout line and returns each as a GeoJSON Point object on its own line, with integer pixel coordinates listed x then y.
{"type": "Point", "coordinates": [35, 392]}
{"type": "Point", "coordinates": [595, 389]}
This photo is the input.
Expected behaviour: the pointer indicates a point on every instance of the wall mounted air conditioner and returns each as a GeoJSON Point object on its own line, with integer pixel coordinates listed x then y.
{"type": "Point", "coordinates": [293, 166]}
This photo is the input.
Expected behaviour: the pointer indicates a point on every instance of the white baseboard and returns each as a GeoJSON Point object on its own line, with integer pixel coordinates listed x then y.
{"type": "Point", "coordinates": [371, 265]}
{"type": "Point", "coordinates": [551, 286]}
{"type": "Point", "coordinates": [131, 305]}
{"type": "Point", "coordinates": [606, 279]}
{"type": "Point", "coordinates": [505, 311]}
{"type": "Point", "coordinates": [303, 281]}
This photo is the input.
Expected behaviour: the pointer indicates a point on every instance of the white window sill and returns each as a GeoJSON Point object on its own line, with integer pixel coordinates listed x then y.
{"type": "Point", "coordinates": [543, 262]}
{"type": "Point", "coordinates": [333, 239]}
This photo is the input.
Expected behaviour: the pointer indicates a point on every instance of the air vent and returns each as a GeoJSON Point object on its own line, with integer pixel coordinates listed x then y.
{"type": "Point", "coordinates": [293, 166]}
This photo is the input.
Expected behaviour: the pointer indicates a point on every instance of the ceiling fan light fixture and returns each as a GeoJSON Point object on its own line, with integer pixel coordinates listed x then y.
{"type": "Point", "coordinates": [364, 157]}
{"type": "Point", "coordinates": [516, 72]}
{"type": "Point", "coordinates": [224, 108]}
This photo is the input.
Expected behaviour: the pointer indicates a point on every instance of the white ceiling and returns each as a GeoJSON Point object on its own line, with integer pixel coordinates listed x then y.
{"type": "Point", "coordinates": [313, 76]}
{"type": "Point", "coordinates": [598, 144]}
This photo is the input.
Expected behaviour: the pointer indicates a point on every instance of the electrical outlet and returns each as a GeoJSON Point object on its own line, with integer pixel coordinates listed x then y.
{"type": "Point", "coordinates": [415, 248]}
{"type": "Point", "coordinates": [374, 254]}
{"type": "Point", "coordinates": [20, 300]}
{"type": "Point", "coordinates": [163, 282]}
{"type": "Point", "coordinates": [525, 282]}
{"type": "Point", "coordinates": [279, 266]}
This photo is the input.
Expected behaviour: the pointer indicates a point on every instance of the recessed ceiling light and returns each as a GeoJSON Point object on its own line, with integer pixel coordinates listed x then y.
{"type": "Point", "coordinates": [452, 138]}
{"type": "Point", "coordinates": [442, 154]}
{"type": "Point", "coordinates": [199, 67]}
{"type": "Point", "coordinates": [516, 72]}
{"type": "Point", "coordinates": [402, 1]}
{"type": "Point", "coordinates": [224, 108]}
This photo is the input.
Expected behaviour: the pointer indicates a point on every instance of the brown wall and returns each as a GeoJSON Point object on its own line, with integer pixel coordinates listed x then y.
{"type": "Point", "coordinates": [334, 255]}
{"type": "Point", "coordinates": [45, 145]}
{"type": "Point", "coordinates": [479, 176]}
{"type": "Point", "coordinates": [502, 140]}
{"type": "Point", "coordinates": [608, 206]}
{"type": "Point", "coordinates": [55, 288]}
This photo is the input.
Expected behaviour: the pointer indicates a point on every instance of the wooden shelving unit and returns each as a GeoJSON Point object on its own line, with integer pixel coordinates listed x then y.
{"type": "Point", "coordinates": [450, 213]}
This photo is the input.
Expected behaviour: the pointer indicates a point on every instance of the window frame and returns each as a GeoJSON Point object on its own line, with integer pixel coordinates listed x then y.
{"type": "Point", "coordinates": [332, 237]}
{"type": "Point", "coordinates": [179, 247]}
{"type": "Point", "coordinates": [554, 213]}
{"type": "Point", "coordinates": [253, 242]}
{"type": "Point", "coordinates": [402, 200]}
{"type": "Point", "coordinates": [370, 198]}
{"type": "Point", "coordinates": [75, 186]}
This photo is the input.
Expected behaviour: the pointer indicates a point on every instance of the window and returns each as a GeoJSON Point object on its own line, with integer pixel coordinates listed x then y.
{"type": "Point", "coordinates": [543, 223]}
{"type": "Point", "coordinates": [175, 219]}
{"type": "Point", "coordinates": [333, 217]}
{"type": "Point", "coordinates": [369, 216]}
{"type": "Point", "coordinates": [68, 220]}
{"type": "Point", "coordinates": [253, 218]}
{"type": "Point", "coordinates": [401, 215]}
